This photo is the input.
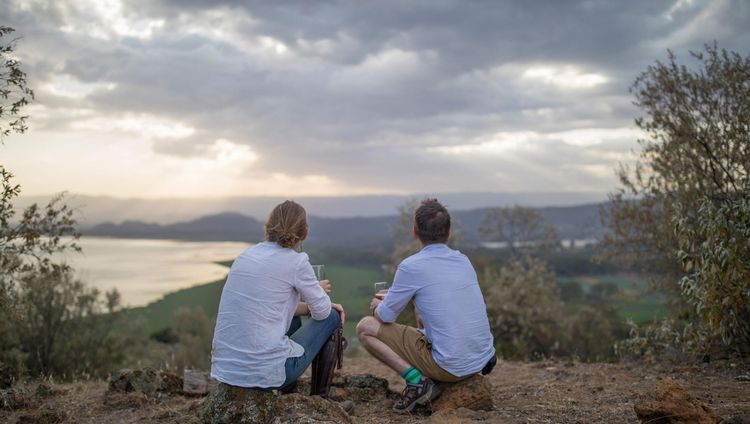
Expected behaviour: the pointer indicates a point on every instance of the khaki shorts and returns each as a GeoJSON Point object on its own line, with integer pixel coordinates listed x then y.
{"type": "Point", "coordinates": [413, 347]}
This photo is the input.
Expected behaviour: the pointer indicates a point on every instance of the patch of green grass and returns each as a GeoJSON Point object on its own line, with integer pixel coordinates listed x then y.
{"type": "Point", "coordinates": [352, 287]}
{"type": "Point", "coordinates": [630, 302]}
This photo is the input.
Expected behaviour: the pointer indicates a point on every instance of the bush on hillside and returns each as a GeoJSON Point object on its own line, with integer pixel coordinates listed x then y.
{"type": "Point", "coordinates": [529, 320]}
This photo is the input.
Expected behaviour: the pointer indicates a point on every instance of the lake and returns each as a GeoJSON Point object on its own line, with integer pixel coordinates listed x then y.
{"type": "Point", "coordinates": [144, 270]}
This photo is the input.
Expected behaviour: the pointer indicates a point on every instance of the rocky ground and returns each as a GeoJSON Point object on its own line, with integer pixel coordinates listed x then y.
{"type": "Point", "coordinates": [539, 392]}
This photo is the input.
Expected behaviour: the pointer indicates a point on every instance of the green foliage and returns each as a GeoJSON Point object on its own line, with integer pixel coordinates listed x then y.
{"type": "Point", "coordinates": [188, 346]}
{"type": "Point", "coordinates": [530, 321]}
{"type": "Point", "coordinates": [667, 336]}
{"type": "Point", "coordinates": [524, 309]}
{"type": "Point", "coordinates": [591, 332]}
{"type": "Point", "coordinates": [65, 328]}
{"type": "Point", "coordinates": [715, 251]}
{"type": "Point", "coordinates": [14, 93]}
{"type": "Point", "coordinates": [524, 230]}
{"type": "Point", "coordinates": [697, 125]}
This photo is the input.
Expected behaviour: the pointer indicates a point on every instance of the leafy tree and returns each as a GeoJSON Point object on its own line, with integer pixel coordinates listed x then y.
{"type": "Point", "coordinates": [47, 324]}
{"type": "Point", "coordinates": [696, 122]}
{"type": "Point", "coordinates": [524, 230]}
{"type": "Point", "coordinates": [716, 254]}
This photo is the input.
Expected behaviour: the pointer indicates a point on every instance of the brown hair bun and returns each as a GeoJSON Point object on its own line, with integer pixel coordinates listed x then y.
{"type": "Point", "coordinates": [287, 224]}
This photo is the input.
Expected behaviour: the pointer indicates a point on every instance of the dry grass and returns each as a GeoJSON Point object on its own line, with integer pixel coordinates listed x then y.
{"type": "Point", "coordinates": [542, 392]}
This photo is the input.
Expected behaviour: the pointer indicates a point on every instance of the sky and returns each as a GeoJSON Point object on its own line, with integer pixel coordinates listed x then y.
{"type": "Point", "coordinates": [189, 98]}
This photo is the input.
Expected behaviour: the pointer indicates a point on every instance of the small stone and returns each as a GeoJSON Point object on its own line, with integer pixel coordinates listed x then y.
{"type": "Point", "coordinates": [474, 393]}
{"type": "Point", "coordinates": [197, 383]}
{"type": "Point", "coordinates": [667, 402]}
{"type": "Point", "coordinates": [347, 406]}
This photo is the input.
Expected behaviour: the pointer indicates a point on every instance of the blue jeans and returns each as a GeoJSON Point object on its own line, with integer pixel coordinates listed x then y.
{"type": "Point", "coordinates": [311, 336]}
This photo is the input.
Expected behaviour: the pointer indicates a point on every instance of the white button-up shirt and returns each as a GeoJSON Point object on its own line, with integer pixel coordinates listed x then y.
{"type": "Point", "coordinates": [257, 305]}
{"type": "Point", "coordinates": [446, 294]}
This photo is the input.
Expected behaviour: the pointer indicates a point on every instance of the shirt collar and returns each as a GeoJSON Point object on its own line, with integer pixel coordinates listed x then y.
{"type": "Point", "coordinates": [434, 246]}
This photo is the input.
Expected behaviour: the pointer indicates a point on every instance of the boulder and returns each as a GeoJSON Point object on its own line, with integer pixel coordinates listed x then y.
{"type": "Point", "coordinates": [474, 393]}
{"type": "Point", "coordinates": [230, 404]}
{"type": "Point", "coordinates": [668, 403]}
{"type": "Point", "coordinates": [147, 380]}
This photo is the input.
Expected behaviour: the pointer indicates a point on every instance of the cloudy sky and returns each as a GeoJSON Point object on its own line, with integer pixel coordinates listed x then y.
{"type": "Point", "coordinates": [190, 98]}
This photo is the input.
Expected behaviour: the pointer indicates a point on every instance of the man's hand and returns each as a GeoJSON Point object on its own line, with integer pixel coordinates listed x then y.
{"type": "Point", "coordinates": [374, 305]}
{"type": "Point", "coordinates": [326, 285]}
{"type": "Point", "coordinates": [339, 308]}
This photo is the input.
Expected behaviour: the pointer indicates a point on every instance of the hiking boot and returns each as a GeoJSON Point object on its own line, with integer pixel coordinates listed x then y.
{"type": "Point", "coordinates": [421, 393]}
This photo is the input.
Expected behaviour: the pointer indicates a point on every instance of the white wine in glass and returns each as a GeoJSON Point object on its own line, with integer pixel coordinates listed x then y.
{"type": "Point", "coordinates": [381, 289]}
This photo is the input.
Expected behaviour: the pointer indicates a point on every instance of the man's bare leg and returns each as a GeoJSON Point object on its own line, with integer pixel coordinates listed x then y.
{"type": "Point", "coordinates": [367, 332]}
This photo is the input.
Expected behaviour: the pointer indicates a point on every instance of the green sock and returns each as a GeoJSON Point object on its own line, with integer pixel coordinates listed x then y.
{"type": "Point", "coordinates": [412, 375]}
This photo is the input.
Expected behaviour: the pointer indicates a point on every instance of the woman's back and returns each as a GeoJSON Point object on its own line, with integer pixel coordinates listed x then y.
{"type": "Point", "coordinates": [257, 304]}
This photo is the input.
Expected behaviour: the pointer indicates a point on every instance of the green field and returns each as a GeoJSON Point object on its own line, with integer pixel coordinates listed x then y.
{"type": "Point", "coordinates": [629, 299]}
{"type": "Point", "coordinates": [352, 287]}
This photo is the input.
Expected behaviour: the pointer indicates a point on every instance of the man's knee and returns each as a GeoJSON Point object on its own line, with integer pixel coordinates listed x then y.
{"type": "Point", "coordinates": [367, 326]}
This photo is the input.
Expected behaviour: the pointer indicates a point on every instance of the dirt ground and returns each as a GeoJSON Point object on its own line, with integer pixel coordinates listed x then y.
{"type": "Point", "coordinates": [538, 392]}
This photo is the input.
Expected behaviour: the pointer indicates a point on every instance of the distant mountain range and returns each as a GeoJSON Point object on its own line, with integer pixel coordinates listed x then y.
{"type": "Point", "coordinates": [572, 222]}
{"type": "Point", "coordinates": [94, 210]}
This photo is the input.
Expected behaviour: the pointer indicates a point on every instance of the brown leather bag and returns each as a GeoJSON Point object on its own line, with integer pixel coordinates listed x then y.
{"type": "Point", "coordinates": [330, 357]}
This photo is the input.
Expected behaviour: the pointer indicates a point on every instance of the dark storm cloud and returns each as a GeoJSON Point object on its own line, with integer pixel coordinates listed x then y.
{"type": "Point", "coordinates": [365, 92]}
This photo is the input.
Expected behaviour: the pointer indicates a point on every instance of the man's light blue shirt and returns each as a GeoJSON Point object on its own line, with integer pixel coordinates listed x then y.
{"type": "Point", "coordinates": [446, 293]}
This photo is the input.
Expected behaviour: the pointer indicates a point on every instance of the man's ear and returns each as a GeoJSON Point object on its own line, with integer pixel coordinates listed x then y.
{"type": "Point", "coordinates": [414, 233]}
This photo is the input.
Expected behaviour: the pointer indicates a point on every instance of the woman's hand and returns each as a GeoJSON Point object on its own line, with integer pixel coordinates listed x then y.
{"type": "Point", "coordinates": [326, 285]}
{"type": "Point", "coordinates": [339, 308]}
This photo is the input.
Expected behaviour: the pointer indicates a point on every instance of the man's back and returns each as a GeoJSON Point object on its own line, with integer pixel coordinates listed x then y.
{"type": "Point", "coordinates": [447, 296]}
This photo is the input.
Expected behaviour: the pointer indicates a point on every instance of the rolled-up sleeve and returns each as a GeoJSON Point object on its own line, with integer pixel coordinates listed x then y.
{"type": "Point", "coordinates": [309, 289]}
{"type": "Point", "coordinates": [398, 297]}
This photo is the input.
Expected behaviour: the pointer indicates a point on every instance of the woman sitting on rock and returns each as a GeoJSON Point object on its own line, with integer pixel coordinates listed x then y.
{"type": "Point", "coordinates": [255, 342]}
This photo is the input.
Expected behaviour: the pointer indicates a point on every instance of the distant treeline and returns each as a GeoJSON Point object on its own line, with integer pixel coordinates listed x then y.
{"type": "Point", "coordinates": [571, 222]}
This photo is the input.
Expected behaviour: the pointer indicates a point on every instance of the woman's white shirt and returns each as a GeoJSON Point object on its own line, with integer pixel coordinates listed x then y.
{"type": "Point", "coordinates": [257, 305]}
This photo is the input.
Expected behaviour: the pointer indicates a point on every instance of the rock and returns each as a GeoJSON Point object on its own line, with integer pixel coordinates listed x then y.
{"type": "Point", "coordinates": [230, 404]}
{"type": "Point", "coordinates": [666, 402]}
{"type": "Point", "coordinates": [197, 383]}
{"type": "Point", "coordinates": [739, 419]}
{"type": "Point", "coordinates": [147, 380]}
{"type": "Point", "coordinates": [474, 393]}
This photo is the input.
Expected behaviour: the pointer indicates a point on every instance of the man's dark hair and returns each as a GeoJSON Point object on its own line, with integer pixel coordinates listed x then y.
{"type": "Point", "coordinates": [432, 222]}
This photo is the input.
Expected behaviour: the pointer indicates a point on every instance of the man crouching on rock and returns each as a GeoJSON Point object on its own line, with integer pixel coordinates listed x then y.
{"type": "Point", "coordinates": [456, 341]}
